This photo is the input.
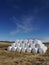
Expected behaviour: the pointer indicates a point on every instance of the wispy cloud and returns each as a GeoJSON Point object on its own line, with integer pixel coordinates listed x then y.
{"type": "Point", "coordinates": [25, 25]}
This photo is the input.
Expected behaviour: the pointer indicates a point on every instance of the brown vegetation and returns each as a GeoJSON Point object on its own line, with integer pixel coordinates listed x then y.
{"type": "Point", "coordinates": [16, 58]}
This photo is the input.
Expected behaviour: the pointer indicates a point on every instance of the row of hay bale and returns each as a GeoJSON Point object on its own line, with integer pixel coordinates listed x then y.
{"type": "Point", "coordinates": [35, 46]}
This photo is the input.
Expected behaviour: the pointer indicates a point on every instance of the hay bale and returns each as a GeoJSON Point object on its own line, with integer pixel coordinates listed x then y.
{"type": "Point", "coordinates": [29, 49]}
{"type": "Point", "coordinates": [13, 44]}
{"type": "Point", "coordinates": [18, 45]}
{"type": "Point", "coordinates": [9, 48]}
{"type": "Point", "coordinates": [32, 45]}
{"type": "Point", "coordinates": [30, 41]}
{"type": "Point", "coordinates": [34, 50]}
{"type": "Point", "coordinates": [28, 45]}
{"type": "Point", "coordinates": [17, 41]}
{"type": "Point", "coordinates": [24, 49]}
{"type": "Point", "coordinates": [19, 49]}
{"type": "Point", "coordinates": [13, 48]}
{"type": "Point", "coordinates": [26, 41]}
{"type": "Point", "coordinates": [21, 41]}
{"type": "Point", "coordinates": [37, 41]}
{"type": "Point", "coordinates": [42, 50]}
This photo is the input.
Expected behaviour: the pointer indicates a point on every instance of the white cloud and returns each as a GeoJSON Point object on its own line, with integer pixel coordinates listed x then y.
{"type": "Point", "coordinates": [25, 25]}
{"type": "Point", "coordinates": [14, 32]}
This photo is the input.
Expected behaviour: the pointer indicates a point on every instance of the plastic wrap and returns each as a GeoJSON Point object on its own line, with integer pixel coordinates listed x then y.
{"type": "Point", "coordinates": [19, 49]}
{"type": "Point", "coordinates": [42, 50]}
{"type": "Point", "coordinates": [25, 41]}
{"type": "Point", "coordinates": [17, 41]}
{"type": "Point", "coordinates": [18, 45]}
{"type": "Point", "coordinates": [24, 49]}
{"type": "Point", "coordinates": [28, 45]}
{"type": "Point", "coordinates": [9, 48]}
{"type": "Point", "coordinates": [30, 41]}
{"type": "Point", "coordinates": [37, 41]}
{"type": "Point", "coordinates": [29, 49]}
{"type": "Point", "coordinates": [34, 50]}
{"type": "Point", "coordinates": [21, 41]}
{"type": "Point", "coordinates": [13, 48]}
{"type": "Point", "coordinates": [32, 45]}
{"type": "Point", "coordinates": [13, 44]}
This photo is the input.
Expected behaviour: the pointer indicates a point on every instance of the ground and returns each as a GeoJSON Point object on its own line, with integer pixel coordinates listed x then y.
{"type": "Point", "coordinates": [16, 58]}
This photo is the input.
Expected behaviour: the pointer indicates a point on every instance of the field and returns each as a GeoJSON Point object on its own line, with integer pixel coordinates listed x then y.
{"type": "Point", "coordinates": [16, 58]}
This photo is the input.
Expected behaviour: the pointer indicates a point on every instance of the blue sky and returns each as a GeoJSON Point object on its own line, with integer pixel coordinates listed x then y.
{"type": "Point", "coordinates": [24, 19]}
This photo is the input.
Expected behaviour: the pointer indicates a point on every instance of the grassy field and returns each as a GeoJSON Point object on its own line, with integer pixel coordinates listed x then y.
{"type": "Point", "coordinates": [16, 58]}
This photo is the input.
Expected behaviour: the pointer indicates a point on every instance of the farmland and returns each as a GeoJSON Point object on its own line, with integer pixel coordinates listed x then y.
{"type": "Point", "coordinates": [16, 58]}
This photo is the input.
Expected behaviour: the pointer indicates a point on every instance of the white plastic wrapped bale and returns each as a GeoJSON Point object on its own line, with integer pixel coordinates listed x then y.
{"type": "Point", "coordinates": [21, 41]}
{"type": "Point", "coordinates": [37, 41]}
{"type": "Point", "coordinates": [19, 49]}
{"type": "Point", "coordinates": [38, 45]}
{"type": "Point", "coordinates": [30, 41]}
{"type": "Point", "coordinates": [29, 49]}
{"type": "Point", "coordinates": [13, 48]}
{"type": "Point", "coordinates": [28, 45]}
{"type": "Point", "coordinates": [13, 44]}
{"type": "Point", "coordinates": [42, 46]}
{"type": "Point", "coordinates": [32, 45]}
{"type": "Point", "coordinates": [18, 45]}
{"type": "Point", "coordinates": [25, 41]}
{"type": "Point", "coordinates": [17, 41]}
{"type": "Point", "coordinates": [34, 50]}
{"type": "Point", "coordinates": [23, 45]}
{"type": "Point", "coordinates": [9, 48]}
{"type": "Point", "coordinates": [42, 49]}
{"type": "Point", "coordinates": [24, 49]}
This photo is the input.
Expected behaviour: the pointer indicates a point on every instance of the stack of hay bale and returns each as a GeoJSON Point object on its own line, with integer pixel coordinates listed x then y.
{"type": "Point", "coordinates": [35, 46]}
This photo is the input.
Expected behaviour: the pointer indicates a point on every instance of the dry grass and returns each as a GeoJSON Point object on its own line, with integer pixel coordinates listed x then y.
{"type": "Point", "coordinates": [16, 58]}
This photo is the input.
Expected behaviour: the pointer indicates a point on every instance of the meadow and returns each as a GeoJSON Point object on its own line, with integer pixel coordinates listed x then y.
{"type": "Point", "coordinates": [16, 58]}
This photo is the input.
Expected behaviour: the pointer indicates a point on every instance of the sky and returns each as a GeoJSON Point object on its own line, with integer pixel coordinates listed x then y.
{"type": "Point", "coordinates": [24, 19]}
